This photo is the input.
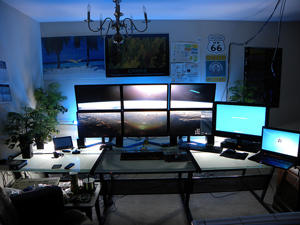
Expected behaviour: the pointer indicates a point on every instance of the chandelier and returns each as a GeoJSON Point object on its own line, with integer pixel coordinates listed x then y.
{"type": "Point", "coordinates": [118, 24]}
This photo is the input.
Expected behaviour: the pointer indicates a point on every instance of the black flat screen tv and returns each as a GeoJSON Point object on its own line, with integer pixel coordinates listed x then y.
{"type": "Point", "coordinates": [192, 95]}
{"type": "Point", "coordinates": [145, 96]}
{"type": "Point", "coordinates": [98, 97]}
{"type": "Point", "coordinates": [99, 124]}
{"type": "Point", "coordinates": [145, 123]}
{"type": "Point", "coordinates": [140, 55]}
{"type": "Point", "coordinates": [240, 121]}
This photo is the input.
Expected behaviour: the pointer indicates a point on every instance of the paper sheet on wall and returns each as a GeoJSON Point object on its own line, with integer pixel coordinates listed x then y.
{"type": "Point", "coordinates": [184, 52]}
{"type": "Point", "coordinates": [184, 72]}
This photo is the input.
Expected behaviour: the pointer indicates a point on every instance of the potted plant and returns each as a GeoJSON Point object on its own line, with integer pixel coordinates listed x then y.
{"type": "Point", "coordinates": [49, 106]}
{"type": "Point", "coordinates": [19, 130]}
{"type": "Point", "coordinates": [241, 93]}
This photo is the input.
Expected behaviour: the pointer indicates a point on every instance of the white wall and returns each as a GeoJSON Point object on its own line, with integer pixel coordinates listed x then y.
{"type": "Point", "coordinates": [20, 48]}
{"type": "Point", "coordinates": [286, 116]}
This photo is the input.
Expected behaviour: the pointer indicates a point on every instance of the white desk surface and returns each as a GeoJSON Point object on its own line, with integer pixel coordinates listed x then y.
{"type": "Point", "coordinates": [43, 160]}
{"type": "Point", "coordinates": [212, 161]}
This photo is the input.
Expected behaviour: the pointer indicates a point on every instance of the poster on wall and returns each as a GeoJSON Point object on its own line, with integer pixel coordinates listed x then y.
{"type": "Point", "coordinates": [3, 72]}
{"type": "Point", "coordinates": [5, 95]}
{"type": "Point", "coordinates": [216, 68]}
{"type": "Point", "coordinates": [72, 54]}
{"type": "Point", "coordinates": [184, 52]}
{"type": "Point", "coordinates": [184, 72]}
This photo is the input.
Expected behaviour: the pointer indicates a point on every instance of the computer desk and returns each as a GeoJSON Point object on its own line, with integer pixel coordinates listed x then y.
{"type": "Point", "coordinates": [43, 160]}
{"type": "Point", "coordinates": [112, 173]}
{"type": "Point", "coordinates": [242, 175]}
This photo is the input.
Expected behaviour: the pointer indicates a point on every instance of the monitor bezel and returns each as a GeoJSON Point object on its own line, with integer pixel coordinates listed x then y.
{"type": "Point", "coordinates": [238, 136]}
{"type": "Point", "coordinates": [99, 112]}
{"type": "Point", "coordinates": [96, 88]}
{"type": "Point", "coordinates": [146, 84]}
{"type": "Point", "coordinates": [190, 110]}
{"type": "Point", "coordinates": [145, 111]}
{"type": "Point", "coordinates": [186, 84]}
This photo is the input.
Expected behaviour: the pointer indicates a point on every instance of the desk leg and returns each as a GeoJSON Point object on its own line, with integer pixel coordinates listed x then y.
{"type": "Point", "coordinates": [261, 198]}
{"type": "Point", "coordinates": [187, 197]}
{"type": "Point", "coordinates": [97, 208]}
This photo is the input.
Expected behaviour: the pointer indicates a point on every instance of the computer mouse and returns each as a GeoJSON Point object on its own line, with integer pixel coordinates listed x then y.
{"type": "Point", "coordinates": [76, 152]}
{"type": "Point", "coordinates": [230, 151]}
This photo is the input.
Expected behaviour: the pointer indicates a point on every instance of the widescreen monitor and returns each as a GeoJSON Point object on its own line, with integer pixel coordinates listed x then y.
{"type": "Point", "coordinates": [192, 95]}
{"type": "Point", "coordinates": [99, 124]}
{"type": "Point", "coordinates": [240, 121]}
{"type": "Point", "coordinates": [98, 97]}
{"type": "Point", "coordinates": [145, 123]}
{"type": "Point", "coordinates": [190, 122]}
{"type": "Point", "coordinates": [145, 96]}
{"type": "Point", "coordinates": [140, 55]}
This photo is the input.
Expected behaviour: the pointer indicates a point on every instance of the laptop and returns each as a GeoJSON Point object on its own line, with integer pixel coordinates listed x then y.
{"type": "Point", "coordinates": [61, 143]}
{"type": "Point", "coordinates": [279, 148]}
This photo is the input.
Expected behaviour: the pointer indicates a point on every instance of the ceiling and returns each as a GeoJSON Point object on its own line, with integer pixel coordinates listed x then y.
{"type": "Point", "coordinates": [240, 10]}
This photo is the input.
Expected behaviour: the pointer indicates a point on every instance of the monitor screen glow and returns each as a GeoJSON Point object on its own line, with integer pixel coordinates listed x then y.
{"type": "Point", "coordinates": [279, 141]}
{"type": "Point", "coordinates": [145, 123]}
{"type": "Point", "coordinates": [190, 123]}
{"type": "Point", "coordinates": [145, 96]}
{"type": "Point", "coordinates": [195, 95]}
{"type": "Point", "coordinates": [100, 124]}
{"type": "Point", "coordinates": [240, 121]}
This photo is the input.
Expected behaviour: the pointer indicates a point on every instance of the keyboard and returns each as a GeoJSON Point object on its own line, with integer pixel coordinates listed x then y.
{"type": "Point", "coordinates": [202, 148]}
{"type": "Point", "coordinates": [24, 183]}
{"type": "Point", "coordinates": [142, 156]}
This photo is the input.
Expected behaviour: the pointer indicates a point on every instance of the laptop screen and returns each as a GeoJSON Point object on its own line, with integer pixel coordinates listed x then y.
{"type": "Point", "coordinates": [63, 143]}
{"type": "Point", "coordinates": [279, 141]}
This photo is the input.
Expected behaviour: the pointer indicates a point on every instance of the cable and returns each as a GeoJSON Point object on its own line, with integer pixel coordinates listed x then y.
{"type": "Point", "coordinates": [250, 39]}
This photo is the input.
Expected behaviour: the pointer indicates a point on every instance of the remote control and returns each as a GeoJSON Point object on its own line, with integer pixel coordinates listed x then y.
{"type": "Point", "coordinates": [69, 166]}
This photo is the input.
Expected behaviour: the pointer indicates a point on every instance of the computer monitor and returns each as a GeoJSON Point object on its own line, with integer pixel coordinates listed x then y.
{"type": "Point", "coordinates": [191, 122]}
{"type": "Point", "coordinates": [98, 97]}
{"type": "Point", "coordinates": [192, 95]}
{"type": "Point", "coordinates": [99, 124]}
{"type": "Point", "coordinates": [145, 123]}
{"type": "Point", "coordinates": [240, 121]}
{"type": "Point", "coordinates": [145, 96]}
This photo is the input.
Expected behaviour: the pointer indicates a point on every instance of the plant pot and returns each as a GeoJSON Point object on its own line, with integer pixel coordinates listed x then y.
{"type": "Point", "coordinates": [39, 143]}
{"type": "Point", "coordinates": [27, 152]}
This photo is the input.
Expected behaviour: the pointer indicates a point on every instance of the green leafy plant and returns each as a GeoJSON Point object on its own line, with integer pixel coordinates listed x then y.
{"type": "Point", "coordinates": [49, 106]}
{"type": "Point", "coordinates": [19, 128]}
{"type": "Point", "coordinates": [241, 93]}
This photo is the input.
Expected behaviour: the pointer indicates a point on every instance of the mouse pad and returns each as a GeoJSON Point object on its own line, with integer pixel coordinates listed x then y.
{"type": "Point", "coordinates": [241, 156]}
{"type": "Point", "coordinates": [182, 158]}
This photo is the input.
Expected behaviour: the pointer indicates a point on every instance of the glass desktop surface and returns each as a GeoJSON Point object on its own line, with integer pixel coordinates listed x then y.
{"type": "Point", "coordinates": [111, 163]}
{"type": "Point", "coordinates": [42, 161]}
{"type": "Point", "coordinates": [212, 161]}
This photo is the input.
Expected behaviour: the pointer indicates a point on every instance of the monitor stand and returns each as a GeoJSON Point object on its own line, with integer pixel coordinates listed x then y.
{"type": "Point", "coordinates": [247, 146]}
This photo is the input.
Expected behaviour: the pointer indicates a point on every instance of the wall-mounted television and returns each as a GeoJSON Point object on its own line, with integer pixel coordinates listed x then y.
{"type": "Point", "coordinates": [145, 96]}
{"type": "Point", "coordinates": [145, 123]}
{"type": "Point", "coordinates": [192, 95]}
{"type": "Point", "coordinates": [98, 97]}
{"type": "Point", "coordinates": [140, 55]}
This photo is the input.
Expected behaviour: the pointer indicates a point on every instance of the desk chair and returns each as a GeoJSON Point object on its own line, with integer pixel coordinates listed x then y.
{"type": "Point", "coordinates": [42, 206]}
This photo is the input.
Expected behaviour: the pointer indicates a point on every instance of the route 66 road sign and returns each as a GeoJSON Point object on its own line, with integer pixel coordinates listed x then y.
{"type": "Point", "coordinates": [216, 43]}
